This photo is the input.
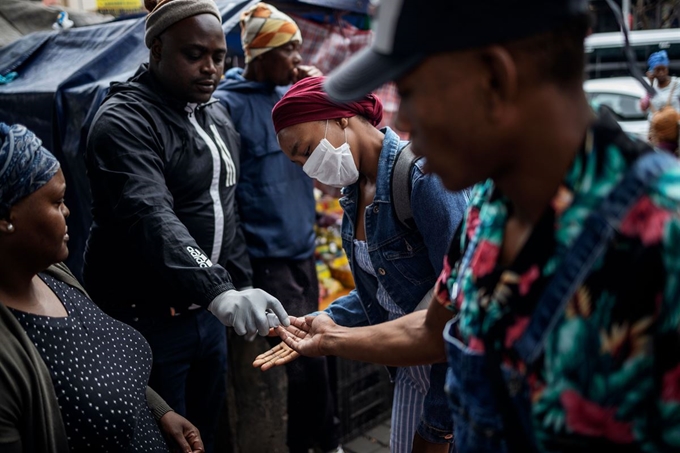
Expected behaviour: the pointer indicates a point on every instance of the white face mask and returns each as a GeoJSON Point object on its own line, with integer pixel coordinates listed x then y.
{"type": "Point", "coordinates": [332, 166]}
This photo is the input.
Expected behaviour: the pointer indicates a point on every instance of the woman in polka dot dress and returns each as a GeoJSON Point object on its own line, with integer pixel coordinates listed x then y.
{"type": "Point", "coordinates": [71, 378]}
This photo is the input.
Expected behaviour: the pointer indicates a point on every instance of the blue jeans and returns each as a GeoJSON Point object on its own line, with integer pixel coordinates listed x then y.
{"type": "Point", "coordinates": [477, 420]}
{"type": "Point", "coordinates": [189, 366]}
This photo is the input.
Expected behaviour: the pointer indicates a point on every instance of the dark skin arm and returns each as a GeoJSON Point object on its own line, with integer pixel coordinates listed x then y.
{"type": "Point", "coordinates": [413, 339]}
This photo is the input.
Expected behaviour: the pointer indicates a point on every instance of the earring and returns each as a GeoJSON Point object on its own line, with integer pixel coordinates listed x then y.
{"type": "Point", "coordinates": [10, 227]}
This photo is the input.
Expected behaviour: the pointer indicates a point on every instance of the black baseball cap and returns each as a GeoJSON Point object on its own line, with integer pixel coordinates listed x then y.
{"type": "Point", "coordinates": [407, 31]}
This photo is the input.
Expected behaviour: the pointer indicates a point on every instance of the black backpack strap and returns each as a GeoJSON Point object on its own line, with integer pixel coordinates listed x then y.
{"type": "Point", "coordinates": [401, 185]}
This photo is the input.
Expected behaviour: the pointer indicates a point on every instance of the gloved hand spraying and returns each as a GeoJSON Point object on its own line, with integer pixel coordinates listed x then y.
{"type": "Point", "coordinates": [249, 311]}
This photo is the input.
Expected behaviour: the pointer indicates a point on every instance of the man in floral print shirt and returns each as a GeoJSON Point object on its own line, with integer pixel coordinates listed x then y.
{"type": "Point", "coordinates": [611, 363]}
{"type": "Point", "coordinates": [606, 371]}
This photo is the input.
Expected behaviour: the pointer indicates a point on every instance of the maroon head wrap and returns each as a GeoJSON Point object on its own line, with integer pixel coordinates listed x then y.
{"type": "Point", "coordinates": [307, 101]}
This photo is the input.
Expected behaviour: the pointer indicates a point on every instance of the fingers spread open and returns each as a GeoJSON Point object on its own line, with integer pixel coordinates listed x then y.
{"type": "Point", "coordinates": [300, 323]}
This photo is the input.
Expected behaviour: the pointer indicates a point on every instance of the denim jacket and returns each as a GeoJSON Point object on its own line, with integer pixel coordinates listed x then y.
{"type": "Point", "coordinates": [407, 262]}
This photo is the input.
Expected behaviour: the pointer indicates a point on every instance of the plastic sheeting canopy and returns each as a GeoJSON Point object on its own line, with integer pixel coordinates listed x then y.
{"type": "Point", "coordinates": [62, 79]}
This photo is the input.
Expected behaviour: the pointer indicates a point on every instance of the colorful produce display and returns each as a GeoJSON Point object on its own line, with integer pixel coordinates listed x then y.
{"type": "Point", "coordinates": [332, 266]}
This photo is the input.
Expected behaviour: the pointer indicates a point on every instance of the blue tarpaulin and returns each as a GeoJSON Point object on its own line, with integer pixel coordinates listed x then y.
{"type": "Point", "coordinates": [62, 78]}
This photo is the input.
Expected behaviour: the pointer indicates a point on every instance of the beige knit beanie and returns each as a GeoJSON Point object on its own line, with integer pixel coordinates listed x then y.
{"type": "Point", "coordinates": [165, 13]}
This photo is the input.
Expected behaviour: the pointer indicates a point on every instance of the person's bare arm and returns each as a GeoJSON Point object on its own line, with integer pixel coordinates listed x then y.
{"type": "Point", "coordinates": [414, 339]}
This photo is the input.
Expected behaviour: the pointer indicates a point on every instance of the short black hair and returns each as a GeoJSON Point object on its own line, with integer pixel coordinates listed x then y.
{"type": "Point", "coordinates": [557, 56]}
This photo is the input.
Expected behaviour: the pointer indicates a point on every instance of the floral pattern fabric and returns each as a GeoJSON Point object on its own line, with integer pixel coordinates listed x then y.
{"type": "Point", "coordinates": [610, 373]}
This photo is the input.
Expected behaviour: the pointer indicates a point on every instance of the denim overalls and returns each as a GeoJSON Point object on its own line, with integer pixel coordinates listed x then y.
{"type": "Point", "coordinates": [479, 425]}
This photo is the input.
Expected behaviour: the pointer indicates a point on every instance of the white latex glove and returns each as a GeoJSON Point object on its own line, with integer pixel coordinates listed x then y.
{"type": "Point", "coordinates": [271, 319]}
{"type": "Point", "coordinates": [248, 311]}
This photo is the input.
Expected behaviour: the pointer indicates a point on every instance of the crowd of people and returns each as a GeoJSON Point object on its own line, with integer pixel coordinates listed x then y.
{"type": "Point", "coordinates": [530, 302]}
{"type": "Point", "coordinates": [277, 208]}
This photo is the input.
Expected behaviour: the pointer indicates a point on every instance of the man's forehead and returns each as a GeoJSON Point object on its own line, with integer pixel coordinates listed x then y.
{"type": "Point", "coordinates": [284, 47]}
{"type": "Point", "coordinates": [202, 46]}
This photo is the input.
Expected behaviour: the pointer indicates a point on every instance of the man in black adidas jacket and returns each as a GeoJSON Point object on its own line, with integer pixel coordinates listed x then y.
{"type": "Point", "coordinates": [166, 253]}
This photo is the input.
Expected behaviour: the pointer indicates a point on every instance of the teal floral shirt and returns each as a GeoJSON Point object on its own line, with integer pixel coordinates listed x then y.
{"type": "Point", "coordinates": [610, 373]}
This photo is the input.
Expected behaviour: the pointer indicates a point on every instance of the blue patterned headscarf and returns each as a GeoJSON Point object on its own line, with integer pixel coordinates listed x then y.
{"type": "Point", "coordinates": [25, 166]}
{"type": "Point", "coordinates": [659, 58]}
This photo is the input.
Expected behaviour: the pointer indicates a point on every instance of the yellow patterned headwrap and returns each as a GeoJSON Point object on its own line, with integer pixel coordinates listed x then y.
{"type": "Point", "coordinates": [263, 28]}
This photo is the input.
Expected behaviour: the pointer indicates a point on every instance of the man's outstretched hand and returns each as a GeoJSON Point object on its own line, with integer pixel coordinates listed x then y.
{"type": "Point", "coordinates": [308, 336]}
{"type": "Point", "coordinates": [280, 354]}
